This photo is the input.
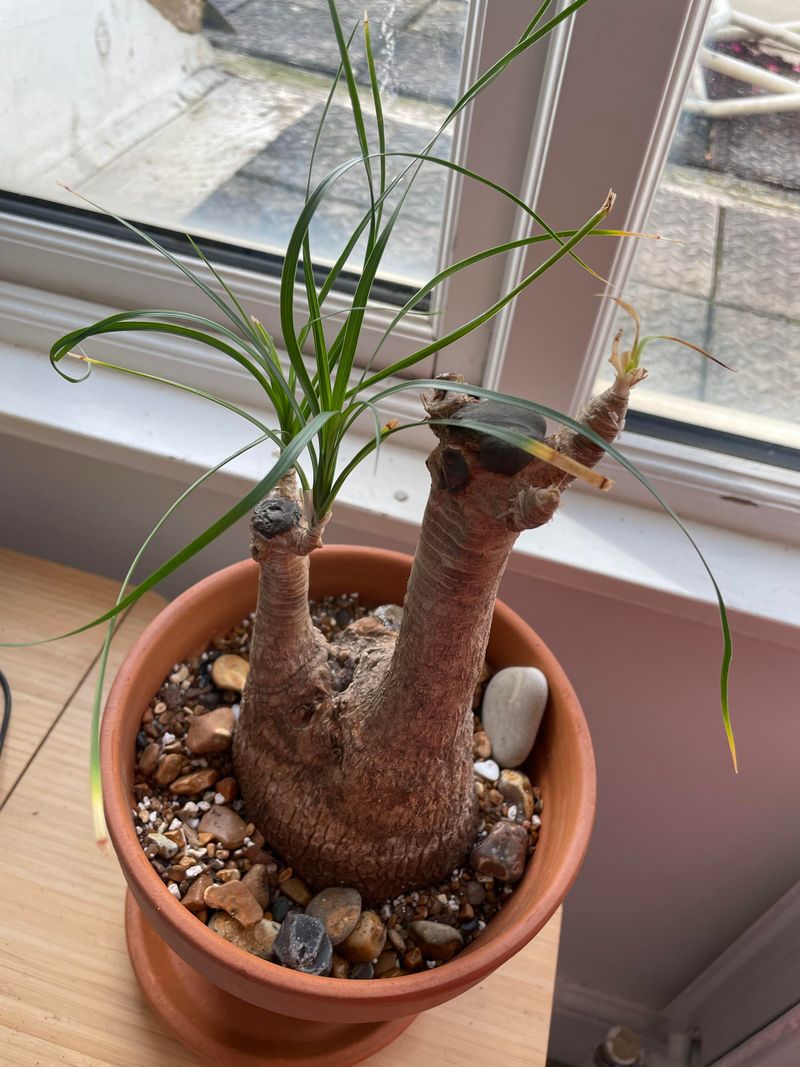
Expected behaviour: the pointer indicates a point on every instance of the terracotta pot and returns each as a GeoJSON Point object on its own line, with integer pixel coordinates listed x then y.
{"type": "Point", "coordinates": [189, 973]}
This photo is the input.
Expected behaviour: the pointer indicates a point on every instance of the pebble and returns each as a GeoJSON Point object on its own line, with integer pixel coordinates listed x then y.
{"type": "Point", "coordinates": [340, 967]}
{"type": "Point", "coordinates": [487, 768]}
{"type": "Point", "coordinates": [237, 900]}
{"type": "Point", "coordinates": [362, 970]}
{"type": "Point", "coordinates": [169, 767]}
{"type": "Point", "coordinates": [226, 826]}
{"type": "Point", "coordinates": [229, 672]}
{"type": "Point", "coordinates": [280, 908]}
{"type": "Point", "coordinates": [196, 782]}
{"type": "Point", "coordinates": [436, 941]}
{"type": "Point", "coordinates": [502, 853]}
{"type": "Point", "coordinates": [517, 790]}
{"type": "Point", "coordinates": [193, 898]}
{"type": "Point", "coordinates": [257, 881]}
{"type": "Point", "coordinates": [481, 745]}
{"type": "Point", "coordinates": [339, 910]}
{"type": "Point", "coordinates": [366, 941]}
{"type": "Point", "coordinates": [391, 615]}
{"type": "Point", "coordinates": [303, 945]}
{"type": "Point", "coordinates": [295, 890]}
{"type": "Point", "coordinates": [258, 939]}
{"type": "Point", "coordinates": [513, 706]}
{"type": "Point", "coordinates": [148, 759]}
{"type": "Point", "coordinates": [387, 961]}
{"type": "Point", "coordinates": [229, 874]}
{"type": "Point", "coordinates": [163, 846]}
{"type": "Point", "coordinates": [228, 789]}
{"type": "Point", "coordinates": [212, 732]}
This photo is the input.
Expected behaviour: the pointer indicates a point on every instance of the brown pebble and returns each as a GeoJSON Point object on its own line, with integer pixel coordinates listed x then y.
{"type": "Point", "coordinates": [212, 732]}
{"type": "Point", "coordinates": [193, 897]}
{"type": "Point", "coordinates": [229, 874]}
{"type": "Point", "coordinates": [436, 940]}
{"type": "Point", "coordinates": [475, 893]}
{"type": "Point", "coordinates": [228, 789]}
{"type": "Point", "coordinates": [296, 891]}
{"type": "Point", "coordinates": [412, 958]}
{"type": "Point", "coordinates": [229, 672]}
{"type": "Point", "coordinates": [225, 825]}
{"type": "Point", "coordinates": [196, 782]}
{"type": "Point", "coordinates": [341, 968]}
{"type": "Point", "coordinates": [148, 759]}
{"type": "Point", "coordinates": [169, 768]}
{"type": "Point", "coordinates": [257, 881]}
{"type": "Point", "coordinates": [517, 790]}
{"type": "Point", "coordinates": [257, 939]}
{"type": "Point", "coordinates": [339, 909]}
{"type": "Point", "coordinates": [481, 745]}
{"type": "Point", "coordinates": [387, 961]}
{"type": "Point", "coordinates": [502, 853]}
{"type": "Point", "coordinates": [396, 939]}
{"type": "Point", "coordinates": [237, 900]}
{"type": "Point", "coordinates": [366, 941]}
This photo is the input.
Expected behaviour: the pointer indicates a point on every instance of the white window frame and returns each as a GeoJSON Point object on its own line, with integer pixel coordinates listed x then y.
{"type": "Point", "coordinates": [622, 95]}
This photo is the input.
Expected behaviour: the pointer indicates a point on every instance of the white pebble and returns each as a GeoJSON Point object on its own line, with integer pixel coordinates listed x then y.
{"type": "Point", "coordinates": [219, 798]}
{"type": "Point", "coordinates": [167, 738]}
{"type": "Point", "coordinates": [487, 768]}
{"type": "Point", "coordinates": [175, 824]}
{"type": "Point", "coordinates": [190, 808]}
{"type": "Point", "coordinates": [536, 822]}
{"type": "Point", "coordinates": [153, 816]}
{"type": "Point", "coordinates": [172, 887]}
{"type": "Point", "coordinates": [513, 705]}
{"type": "Point", "coordinates": [194, 823]}
{"type": "Point", "coordinates": [192, 872]}
{"type": "Point", "coordinates": [203, 805]}
{"type": "Point", "coordinates": [512, 811]}
{"type": "Point", "coordinates": [236, 709]}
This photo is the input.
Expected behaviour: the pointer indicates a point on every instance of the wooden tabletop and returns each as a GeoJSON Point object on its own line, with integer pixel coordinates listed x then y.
{"type": "Point", "coordinates": [67, 992]}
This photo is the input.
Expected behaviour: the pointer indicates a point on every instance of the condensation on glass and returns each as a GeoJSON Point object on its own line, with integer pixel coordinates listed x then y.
{"type": "Point", "coordinates": [204, 122]}
{"type": "Point", "coordinates": [726, 273]}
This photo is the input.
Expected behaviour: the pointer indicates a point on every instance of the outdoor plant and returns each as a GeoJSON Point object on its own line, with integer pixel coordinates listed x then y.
{"type": "Point", "coordinates": [312, 750]}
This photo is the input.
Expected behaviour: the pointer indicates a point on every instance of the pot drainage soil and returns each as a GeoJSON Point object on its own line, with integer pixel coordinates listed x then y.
{"type": "Point", "coordinates": [195, 831]}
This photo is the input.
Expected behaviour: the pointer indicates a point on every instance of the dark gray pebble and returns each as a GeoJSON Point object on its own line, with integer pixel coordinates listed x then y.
{"type": "Point", "coordinates": [303, 945]}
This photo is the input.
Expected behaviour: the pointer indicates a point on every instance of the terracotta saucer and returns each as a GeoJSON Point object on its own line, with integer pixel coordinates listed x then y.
{"type": "Point", "coordinates": [224, 1030]}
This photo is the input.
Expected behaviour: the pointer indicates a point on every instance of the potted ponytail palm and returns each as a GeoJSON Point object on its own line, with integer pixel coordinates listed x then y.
{"type": "Point", "coordinates": [354, 753]}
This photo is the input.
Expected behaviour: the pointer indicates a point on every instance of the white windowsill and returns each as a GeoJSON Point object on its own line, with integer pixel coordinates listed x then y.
{"type": "Point", "coordinates": [596, 544]}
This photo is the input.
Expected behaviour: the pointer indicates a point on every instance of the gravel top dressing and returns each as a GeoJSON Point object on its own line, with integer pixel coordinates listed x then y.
{"type": "Point", "coordinates": [195, 830]}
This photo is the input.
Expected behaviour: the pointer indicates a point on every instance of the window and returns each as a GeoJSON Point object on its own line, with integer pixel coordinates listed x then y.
{"type": "Point", "coordinates": [726, 275]}
{"type": "Point", "coordinates": [182, 122]}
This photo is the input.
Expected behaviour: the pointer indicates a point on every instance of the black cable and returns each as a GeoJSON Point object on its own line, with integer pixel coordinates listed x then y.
{"type": "Point", "coordinates": [6, 709]}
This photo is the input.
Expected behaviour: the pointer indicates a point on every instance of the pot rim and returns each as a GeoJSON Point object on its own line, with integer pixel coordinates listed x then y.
{"type": "Point", "coordinates": [479, 958]}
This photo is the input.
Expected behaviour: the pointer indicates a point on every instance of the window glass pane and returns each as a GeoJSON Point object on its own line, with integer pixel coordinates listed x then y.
{"type": "Point", "coordinates": [726, 274]}
{"type": "Point", "coordinates": [200, 116]}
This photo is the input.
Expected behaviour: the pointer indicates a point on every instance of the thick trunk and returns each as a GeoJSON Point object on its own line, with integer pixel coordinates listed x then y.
{"type": "Point", "coordinates": [355, 758]}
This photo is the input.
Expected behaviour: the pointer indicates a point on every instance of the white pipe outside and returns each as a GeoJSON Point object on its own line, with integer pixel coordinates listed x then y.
{"type": "Point", "coordinates": [750, 105]}
{"type": "Point", "coordinates": [744, 72]}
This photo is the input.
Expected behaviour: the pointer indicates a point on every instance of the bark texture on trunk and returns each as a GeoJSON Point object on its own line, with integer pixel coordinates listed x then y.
{"type": "Point", "coordinates": [355, 757]}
